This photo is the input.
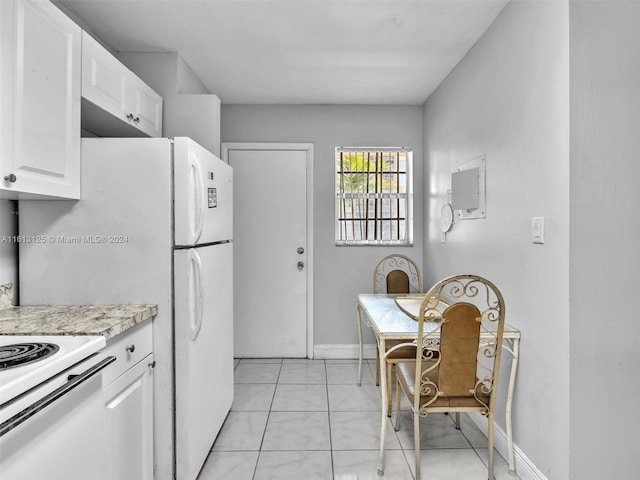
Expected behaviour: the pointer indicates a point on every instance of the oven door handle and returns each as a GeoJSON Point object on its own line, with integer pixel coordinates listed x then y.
{"type": "Point", "coordinates": [41, 404]}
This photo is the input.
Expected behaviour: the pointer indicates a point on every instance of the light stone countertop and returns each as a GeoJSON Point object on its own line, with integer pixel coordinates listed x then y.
{"type": "Point", "coordinates": [105, 320]}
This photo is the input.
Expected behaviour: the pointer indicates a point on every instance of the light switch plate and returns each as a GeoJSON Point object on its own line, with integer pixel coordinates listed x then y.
{"type": "Point", "coordinates": [537, 230]}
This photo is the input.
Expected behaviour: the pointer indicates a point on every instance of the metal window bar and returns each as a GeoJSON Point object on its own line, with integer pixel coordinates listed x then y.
{"type": "Point", "coordinates": [366, 185]}
{"type": "Point", "coordinates": [397, 233]}
{"type": "Point", "coordinates": [389, 195]}
{"type": "Point", "coordinates": [341, 209]}
{"type": "Point", "coordinates": [353, 206]}
{"type": "Point", "coordinates": [376, 202]}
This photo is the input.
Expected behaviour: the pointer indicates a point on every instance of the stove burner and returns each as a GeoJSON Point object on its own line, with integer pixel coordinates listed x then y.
{"type": "Point", "coordinates": [23, 353]}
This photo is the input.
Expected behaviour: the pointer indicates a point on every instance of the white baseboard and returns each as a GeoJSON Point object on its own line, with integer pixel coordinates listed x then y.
{"type": "Point", "coordinates": [343, 351]}
{"type": "Point", "coordinates": [525, 468]}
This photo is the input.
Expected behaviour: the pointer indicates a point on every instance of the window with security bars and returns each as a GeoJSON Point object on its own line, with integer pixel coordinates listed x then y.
{"type": "Point", "coordinates": [374, 196]}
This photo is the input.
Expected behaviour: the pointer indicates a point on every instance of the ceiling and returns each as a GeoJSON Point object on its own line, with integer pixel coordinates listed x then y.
{"type": "Point", "coordinates": [372, 52]}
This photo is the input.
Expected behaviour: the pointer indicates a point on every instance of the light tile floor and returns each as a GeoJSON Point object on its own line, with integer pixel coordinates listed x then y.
{"type": "Point", "coordinates": [295, 419]}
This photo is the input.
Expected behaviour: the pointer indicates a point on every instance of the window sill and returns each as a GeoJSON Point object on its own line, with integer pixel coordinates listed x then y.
{"type": "Point", "coordinates": [374, 244]}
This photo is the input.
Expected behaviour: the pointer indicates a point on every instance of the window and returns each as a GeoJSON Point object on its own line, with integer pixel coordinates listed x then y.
{"type": "Point", "coordinates": [374, 196]}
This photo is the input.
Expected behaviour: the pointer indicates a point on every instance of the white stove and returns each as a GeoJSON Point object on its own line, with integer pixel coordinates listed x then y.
{"type": "Point", "coordinates": [67, 351]}
{"type": "Point", "coordinates": [51, 407]}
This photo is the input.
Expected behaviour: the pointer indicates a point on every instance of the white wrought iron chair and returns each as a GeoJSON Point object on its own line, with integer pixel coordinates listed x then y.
{"type": "Point", "coordinates": [396, 274]}
{"type": "Point", "coordinates": [460, 328]}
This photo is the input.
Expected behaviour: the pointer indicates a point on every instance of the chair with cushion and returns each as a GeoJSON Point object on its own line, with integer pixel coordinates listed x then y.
{"type": "Point", "coordinates": [396, 274]}
{"type": "Point", "coordinates": [460, 328]}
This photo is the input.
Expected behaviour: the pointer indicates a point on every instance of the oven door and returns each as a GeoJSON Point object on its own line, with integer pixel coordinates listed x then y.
{"type": "Point", "coordinates": [61, 435]}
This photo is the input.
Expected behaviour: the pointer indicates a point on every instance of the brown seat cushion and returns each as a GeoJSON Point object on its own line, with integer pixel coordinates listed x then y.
{"type": "Point", "coordinates": [408, 352]}
{"type": "Point", "coordinates": [406, 372]}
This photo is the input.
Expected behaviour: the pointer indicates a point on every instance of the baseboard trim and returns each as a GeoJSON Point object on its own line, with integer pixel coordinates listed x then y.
{"type": "Point", "coordinates": [342, 351]}
{"type": "Point", "coordinates": [525, 468]}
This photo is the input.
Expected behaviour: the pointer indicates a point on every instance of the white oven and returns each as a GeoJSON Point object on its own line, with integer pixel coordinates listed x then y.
{"type": "Point", "coordinates": [51, 408]}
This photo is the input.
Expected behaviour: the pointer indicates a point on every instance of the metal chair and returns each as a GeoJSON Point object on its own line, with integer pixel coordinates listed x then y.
{"type": "Point", "coordinates": [460, 328]}
{"type": "Point", "coordinates": [399, 274]}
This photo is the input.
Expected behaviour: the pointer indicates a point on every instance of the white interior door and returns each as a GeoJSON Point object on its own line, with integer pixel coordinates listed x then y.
{"type": "Point", "coordinates": [271, 251]}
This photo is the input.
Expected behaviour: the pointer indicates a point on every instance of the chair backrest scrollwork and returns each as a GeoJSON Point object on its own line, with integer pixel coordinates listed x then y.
{"type": "Point", "coordinates": [460, 355]}
{"type": "Point", "coordinates": [397, 274]}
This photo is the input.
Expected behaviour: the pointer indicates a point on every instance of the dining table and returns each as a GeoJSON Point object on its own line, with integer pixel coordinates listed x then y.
{"type": "Point", "coordinates": [389, 321]}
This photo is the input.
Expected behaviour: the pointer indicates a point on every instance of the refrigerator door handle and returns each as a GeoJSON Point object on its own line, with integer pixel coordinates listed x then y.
{"type": "Point", "coordinates": [197, 205]}
{"type": "Point", "coordinates": [197, 294]}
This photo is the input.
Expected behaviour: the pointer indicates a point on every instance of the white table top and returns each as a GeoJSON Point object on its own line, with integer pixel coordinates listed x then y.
{"type": "Point", "coordinates": [388, 319]}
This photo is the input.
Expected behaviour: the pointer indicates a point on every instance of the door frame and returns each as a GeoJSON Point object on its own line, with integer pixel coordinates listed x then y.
{"type": "Point", "coordinates": [227, 147]}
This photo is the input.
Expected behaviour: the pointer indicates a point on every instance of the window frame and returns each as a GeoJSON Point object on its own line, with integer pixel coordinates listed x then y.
{"type": "Point", "coordinates": [340, 195]}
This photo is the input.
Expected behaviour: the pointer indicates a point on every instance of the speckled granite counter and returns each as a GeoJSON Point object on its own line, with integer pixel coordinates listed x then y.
{"type": "Point", "coordinates": [105, 320]}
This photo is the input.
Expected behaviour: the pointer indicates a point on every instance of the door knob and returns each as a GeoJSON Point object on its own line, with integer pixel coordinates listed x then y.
{"type": "Point", "coordinates": [10, 178]}
{"type": "Point", "coordinates": [300, 265]}
{"type": "Point", "coordinates": [300, 250]}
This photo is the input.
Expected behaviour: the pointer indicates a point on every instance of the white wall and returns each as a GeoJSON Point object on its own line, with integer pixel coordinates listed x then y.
{"type": "Point", "coordinates": [605, 244]}
{"type": "Point", "coordinates": [166, 73]}
{"type": "Point", "coordinates": [508, 99]}
{"type": "Point", "coordinates": [188, 109]}
{"type": "Point", "coordinates": [339, 272]}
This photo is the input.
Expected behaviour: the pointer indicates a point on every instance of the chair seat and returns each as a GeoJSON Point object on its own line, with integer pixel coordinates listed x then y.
{"type": "Point", "coordinates": [406, 353]}
{"type": "Point", "coordinates": [401, 353]}
{"type": "Point", "coordinates": [406, 374]}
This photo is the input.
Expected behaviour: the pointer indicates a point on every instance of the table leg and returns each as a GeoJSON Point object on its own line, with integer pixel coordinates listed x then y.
{"type": "Point", "coordinates": [360, 351]}
{"type": "Point", "coordinates": [512, 381]}
{"type": "Point", "coordinates": [385, 400]}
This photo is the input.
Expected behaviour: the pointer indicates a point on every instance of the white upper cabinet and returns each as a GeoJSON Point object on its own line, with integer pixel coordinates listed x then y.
{"type": "Point", "coordinates": [40, 54]}
{"type": "Point", "coordinates": [115, 102]}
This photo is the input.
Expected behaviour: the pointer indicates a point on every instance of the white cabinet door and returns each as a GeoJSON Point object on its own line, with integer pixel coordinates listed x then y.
{"type": "Point", "coordinates": [146, 107]}
{"type": "Point", "coordinates": [103, 78]}
{"type": "Point", "coordinates": [115, 101]}
{"type": "Point", "coordinates": [129, 423]}
{"type": "Point", "coordinates": [39, 102]}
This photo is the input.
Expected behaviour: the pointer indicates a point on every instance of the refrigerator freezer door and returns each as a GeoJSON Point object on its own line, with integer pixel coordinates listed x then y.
{"type": "Point", "coordinates": [203, 195]}
{"type": "Point", "coordinates": [204, 363]}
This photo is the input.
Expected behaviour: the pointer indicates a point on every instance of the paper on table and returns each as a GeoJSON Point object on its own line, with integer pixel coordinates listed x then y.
{"type": "Point", "coordinates": [410, 305]}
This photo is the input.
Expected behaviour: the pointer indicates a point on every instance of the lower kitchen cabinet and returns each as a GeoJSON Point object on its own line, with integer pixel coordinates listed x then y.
{"type": "Point", "coordinates": [128, 401]}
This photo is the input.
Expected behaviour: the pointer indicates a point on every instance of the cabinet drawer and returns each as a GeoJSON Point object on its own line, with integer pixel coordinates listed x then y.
{"type": "Point", "coordinates": [129, 348]}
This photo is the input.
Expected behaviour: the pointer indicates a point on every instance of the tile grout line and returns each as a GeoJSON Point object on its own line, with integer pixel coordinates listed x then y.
{"type": "Point", "coordinates": [283, 375]}
{"type": "Point", "coordinates": [326, 389]}
{"type": "Point", "coordinates": [264, 433]}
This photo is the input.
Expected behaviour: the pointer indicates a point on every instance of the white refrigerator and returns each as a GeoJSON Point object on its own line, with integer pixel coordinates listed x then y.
{"type": "Point", "coordinates": [153, 226]}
